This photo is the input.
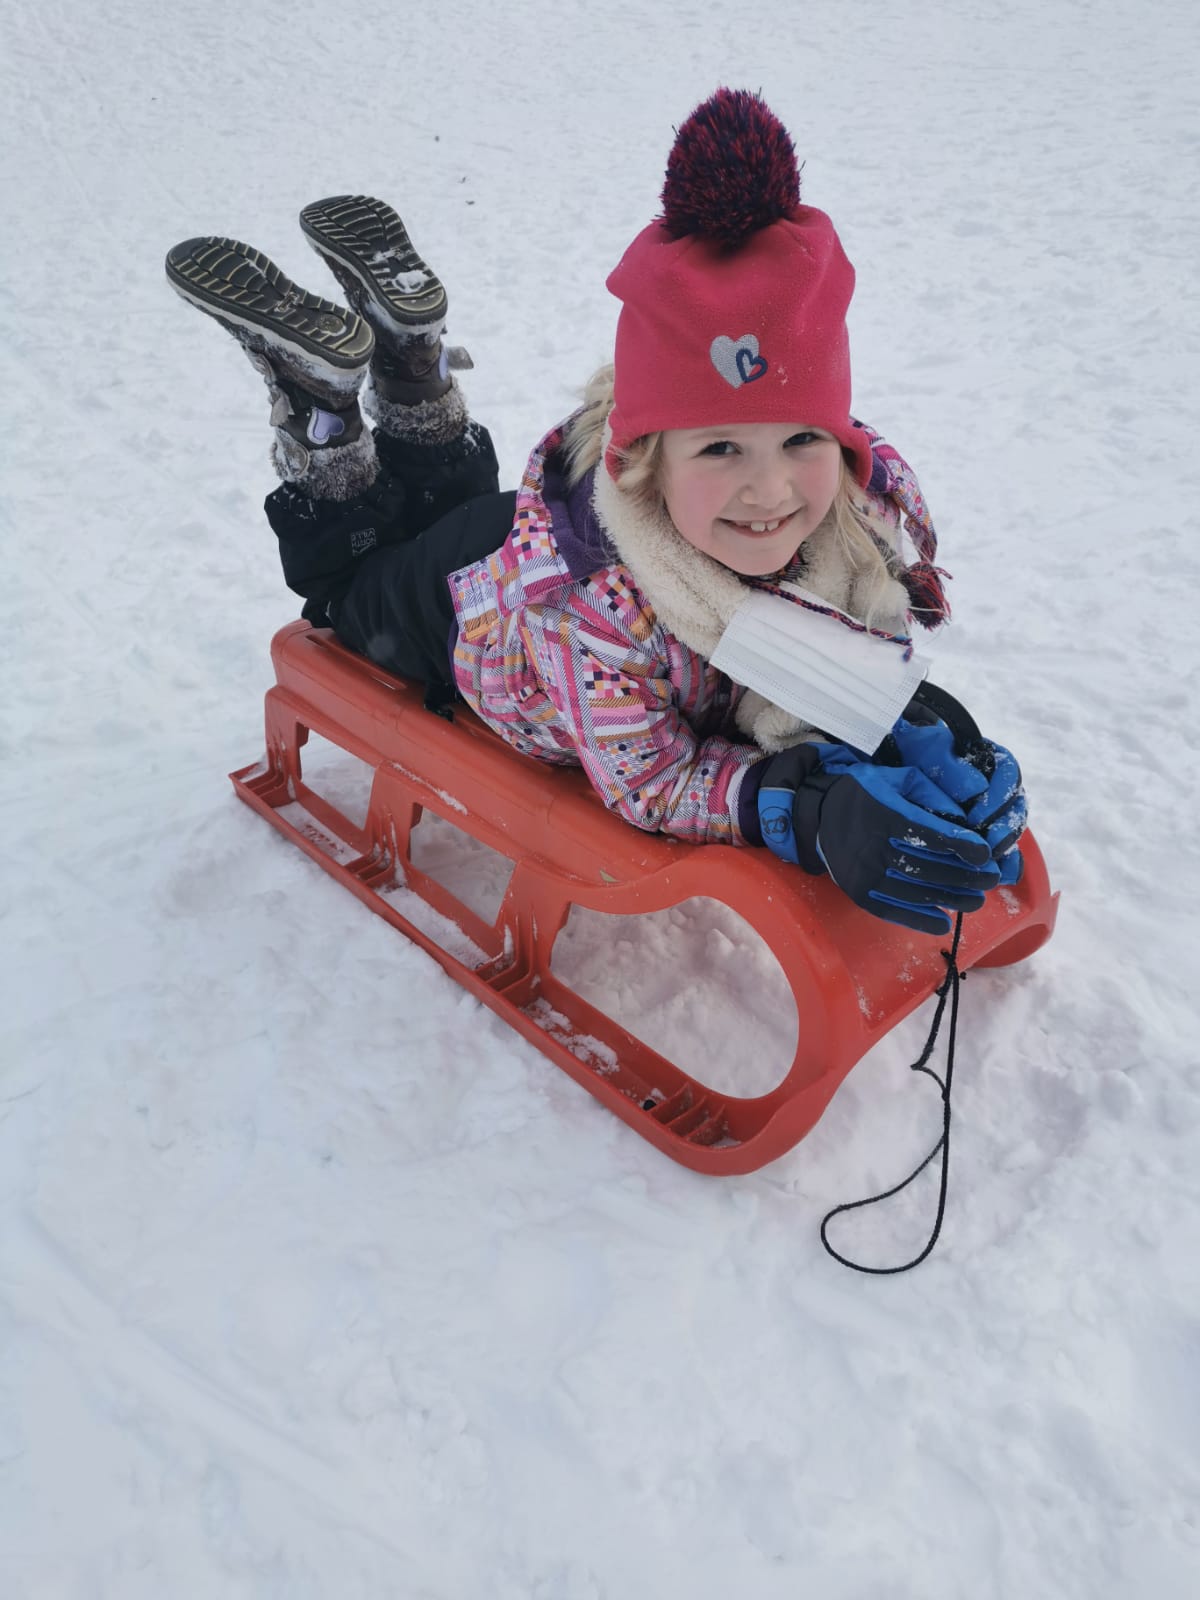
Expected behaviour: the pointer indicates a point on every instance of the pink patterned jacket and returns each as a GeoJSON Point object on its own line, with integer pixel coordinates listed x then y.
{"type": "Point", "coordinates": [561, 654]}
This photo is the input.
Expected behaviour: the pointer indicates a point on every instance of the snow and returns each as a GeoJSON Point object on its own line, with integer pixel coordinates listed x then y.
{"type": "Point", "coordinates": [315, 1279]}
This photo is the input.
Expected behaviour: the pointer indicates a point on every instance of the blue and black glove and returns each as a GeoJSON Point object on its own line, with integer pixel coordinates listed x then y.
{"type": "Point", "coordinates": [939, 738]}
{"type": "Point", "coordinates": [888, 836]}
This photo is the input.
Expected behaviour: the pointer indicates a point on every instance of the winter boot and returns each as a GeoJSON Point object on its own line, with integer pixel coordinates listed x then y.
{"type": "Point", "coordinates": [311, 353]}
{"type": "Point", "coordinates": [364, 244]}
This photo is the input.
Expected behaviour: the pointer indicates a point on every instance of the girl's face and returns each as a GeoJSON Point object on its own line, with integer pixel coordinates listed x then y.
{"type": "Point", "coordinates": [750, 494]}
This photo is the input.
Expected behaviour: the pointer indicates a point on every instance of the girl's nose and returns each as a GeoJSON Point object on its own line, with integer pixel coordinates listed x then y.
{"type": "Point", "coordinates": [769, 489]}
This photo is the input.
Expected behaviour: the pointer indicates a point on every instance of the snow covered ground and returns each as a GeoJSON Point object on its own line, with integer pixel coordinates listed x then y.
{"type": "Point", "coordinates": [315, 1281]}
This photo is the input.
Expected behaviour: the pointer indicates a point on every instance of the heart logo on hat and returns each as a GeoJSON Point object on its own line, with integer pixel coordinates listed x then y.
{"type": "Point", "coordinates": [737, 360]}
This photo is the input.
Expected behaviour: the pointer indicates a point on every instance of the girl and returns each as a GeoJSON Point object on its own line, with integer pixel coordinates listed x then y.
{"type": "Point", "coordinates": [577, 616]}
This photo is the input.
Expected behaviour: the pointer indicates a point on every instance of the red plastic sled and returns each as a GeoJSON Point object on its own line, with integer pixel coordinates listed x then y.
{"type": "Point", "coordinates": [853, 976]}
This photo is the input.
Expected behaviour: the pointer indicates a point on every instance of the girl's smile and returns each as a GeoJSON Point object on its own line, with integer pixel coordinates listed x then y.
{"type": "Point", "coordinates": [750, 494]}
{"type": "Point", "coordinates": [761, 527]}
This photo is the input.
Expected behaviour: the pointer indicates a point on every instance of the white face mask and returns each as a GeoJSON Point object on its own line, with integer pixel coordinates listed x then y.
{"type": "Point", "coordinates": [820, 665]}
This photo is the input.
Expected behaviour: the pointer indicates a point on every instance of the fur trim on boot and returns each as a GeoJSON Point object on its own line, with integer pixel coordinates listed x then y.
{"type": "Point", "coordinates": [694, 597]}
{"type": "Point", "coordinates": [338, 472]}
{"type": "Point", "coordinates": [429, 422]}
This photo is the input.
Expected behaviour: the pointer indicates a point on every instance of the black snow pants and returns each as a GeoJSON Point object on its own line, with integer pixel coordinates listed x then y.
{"type": "Point", "coordinates": [374, 568]}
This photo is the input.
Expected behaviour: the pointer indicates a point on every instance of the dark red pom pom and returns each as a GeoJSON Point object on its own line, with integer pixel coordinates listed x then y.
{"type": "Point", "coordinates": [731, 172]}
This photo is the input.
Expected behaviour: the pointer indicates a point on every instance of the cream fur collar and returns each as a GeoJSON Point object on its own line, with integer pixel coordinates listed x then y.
{"type": "Point", "coordinates": [694, 596]}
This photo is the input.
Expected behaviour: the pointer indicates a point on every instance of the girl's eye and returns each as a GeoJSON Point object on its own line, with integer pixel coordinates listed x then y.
{"type": "Point", "coordinates": [719, 447]}
{"type": "Point", "coordinates": [803, 439]}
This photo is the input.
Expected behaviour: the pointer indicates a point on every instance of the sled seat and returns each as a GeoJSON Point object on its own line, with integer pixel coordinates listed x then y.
{"type": "Point", "coordinates": [853, 977]}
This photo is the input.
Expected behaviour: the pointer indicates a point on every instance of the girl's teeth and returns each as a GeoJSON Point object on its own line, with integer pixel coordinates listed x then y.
{"type": "Point", "coordinates": [764, 527]}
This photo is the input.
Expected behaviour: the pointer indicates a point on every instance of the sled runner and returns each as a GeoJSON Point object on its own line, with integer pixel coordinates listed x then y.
{"type": "Point", "coordinates": [853, 976]}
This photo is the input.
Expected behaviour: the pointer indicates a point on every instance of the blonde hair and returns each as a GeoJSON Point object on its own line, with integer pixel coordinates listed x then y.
{"type": "Point", "coordinates": [867, 541]}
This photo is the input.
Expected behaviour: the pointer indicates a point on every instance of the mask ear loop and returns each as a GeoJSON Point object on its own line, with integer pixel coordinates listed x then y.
{"type": "Point", "coordinates": [948, 991]}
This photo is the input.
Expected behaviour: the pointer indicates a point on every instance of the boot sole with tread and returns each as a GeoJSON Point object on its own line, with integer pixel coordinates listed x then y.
{"type": "Point", "coordinates": [244, 290]}
{"type": "Point", "coordinates": [362, 237]}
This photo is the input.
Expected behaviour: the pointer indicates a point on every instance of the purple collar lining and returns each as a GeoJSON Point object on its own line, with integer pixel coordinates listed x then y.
{"type": "Point", "coordinates": [582, 543]}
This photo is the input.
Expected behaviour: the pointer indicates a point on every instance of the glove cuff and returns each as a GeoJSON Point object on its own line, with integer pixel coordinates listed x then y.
{"type": "Point", "coordinates": [747, 803]}
{"type": "Point", "coordinates": [788, 789]}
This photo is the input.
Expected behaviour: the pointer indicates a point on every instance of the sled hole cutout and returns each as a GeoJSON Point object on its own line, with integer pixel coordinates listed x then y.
{"type": "Point", "coordinates": [337, 777]}
{"type": "Point", "coordinates": [695, 982]}
{"type": "Point", "coordinates": [471, 871]}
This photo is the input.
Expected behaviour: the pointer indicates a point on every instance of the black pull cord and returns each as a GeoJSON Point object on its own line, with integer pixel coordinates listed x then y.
{"type": "Point", "coordinates": [948, 990]}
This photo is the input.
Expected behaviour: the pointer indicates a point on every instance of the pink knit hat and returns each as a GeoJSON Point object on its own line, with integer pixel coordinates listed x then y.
{"type": "Point", "coordinates": [734, 302]}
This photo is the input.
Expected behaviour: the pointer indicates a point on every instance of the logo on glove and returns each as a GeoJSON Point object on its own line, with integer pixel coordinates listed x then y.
{"type": "Point", "coordinates": [776, 822]}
